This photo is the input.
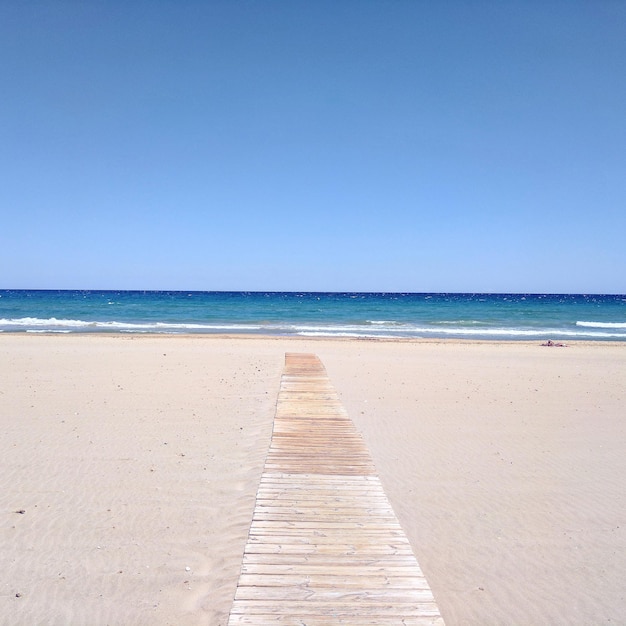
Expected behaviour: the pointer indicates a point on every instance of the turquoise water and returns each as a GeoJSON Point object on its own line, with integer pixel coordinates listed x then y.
{"type": "Point", "coordinates": [436, 315]}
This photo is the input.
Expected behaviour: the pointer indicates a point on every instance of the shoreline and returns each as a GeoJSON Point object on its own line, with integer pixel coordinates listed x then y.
{"type": "Point", "coordinates": [326, 338]}
{"type": "Point", "coordinates": [135, 457]}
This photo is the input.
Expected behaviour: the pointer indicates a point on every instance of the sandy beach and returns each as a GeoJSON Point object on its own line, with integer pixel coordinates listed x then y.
{"type": "Point", "coordinates": [130, 464]}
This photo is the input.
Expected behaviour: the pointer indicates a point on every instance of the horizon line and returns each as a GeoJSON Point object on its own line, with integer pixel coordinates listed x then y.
{"type": "Point", "coordinates": [318, 292]}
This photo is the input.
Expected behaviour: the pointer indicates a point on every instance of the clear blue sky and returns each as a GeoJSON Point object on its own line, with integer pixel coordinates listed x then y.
{"type": "Point", "coordinates": [318, 145]}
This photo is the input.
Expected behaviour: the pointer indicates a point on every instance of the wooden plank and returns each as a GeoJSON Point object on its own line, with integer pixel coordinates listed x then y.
{"type": "Point", "coordinates": [361, 542]}
{"type": "Point", "coordinates": [335, 591]}
{"type": "Point", "coordinates": [370, 608]}
{"type": "Point", "coordinates": [339, 524]}
{"type": "Point", "coordinates": [340, 568]}
{"type": "Point", "coordinates": [317, 620]}
{"type": "Point", "coordinates": [336, 550]}
{"type": "Point", "coordinates": [324, 559]}
{"type": "Point", "coordinates": [324, 545]}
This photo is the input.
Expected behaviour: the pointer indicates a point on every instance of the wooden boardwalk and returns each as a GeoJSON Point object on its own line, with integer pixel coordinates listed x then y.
{"type": "Point", "coordinates": [325, 546]}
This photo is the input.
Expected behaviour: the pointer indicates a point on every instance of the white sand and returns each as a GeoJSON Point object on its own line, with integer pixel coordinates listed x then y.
{"type": "Point", "coordinates": [135, 458]}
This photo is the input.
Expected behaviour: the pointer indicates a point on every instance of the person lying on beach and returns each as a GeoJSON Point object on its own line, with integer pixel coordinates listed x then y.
{"type": "Point", "coordinates": [551, 344]}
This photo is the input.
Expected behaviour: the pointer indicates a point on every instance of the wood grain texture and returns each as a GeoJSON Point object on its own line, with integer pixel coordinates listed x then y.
{"type": "Point", "coordinates": [325, 546]}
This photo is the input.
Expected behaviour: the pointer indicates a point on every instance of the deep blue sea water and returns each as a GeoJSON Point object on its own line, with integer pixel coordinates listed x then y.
{"type": "Point", "coordinates": [431, 315]}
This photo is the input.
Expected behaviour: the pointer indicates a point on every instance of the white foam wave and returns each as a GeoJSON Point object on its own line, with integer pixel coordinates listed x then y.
{"type": "Point", "coordinates": [371, 329]}
{"type": "Point", "coordinates": [465, 331]}
{"type": "Point", "coordinates": [362, 335]}
{"type": "Point", "coordinates": [457, 322]}
{"type": "Point", "coordinates": [43, 330]}
{"type": "Point", "coordinates": [35, 321]}
{"type": "Point", "coordinates": [34, 324]}
{"type": "Point", "coordinates": [519, 332]}
{"type": "Point", "coordinates": [602, 324]}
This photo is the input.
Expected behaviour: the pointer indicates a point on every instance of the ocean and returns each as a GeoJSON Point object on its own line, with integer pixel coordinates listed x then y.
{"type": "Point", "coordinates": [366, 315]}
